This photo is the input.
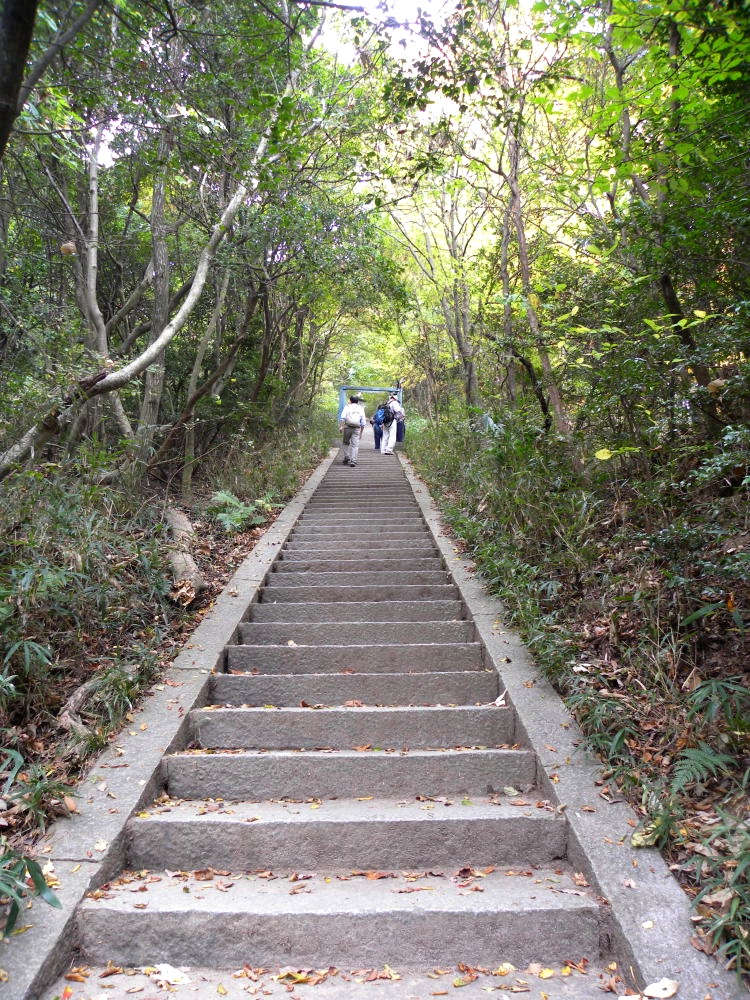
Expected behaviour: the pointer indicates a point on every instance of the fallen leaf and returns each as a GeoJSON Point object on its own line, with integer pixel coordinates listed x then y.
{"type": "Point", "coordinates": [663, 989]}
{"type": "Point", "coordinates": [168, 974]}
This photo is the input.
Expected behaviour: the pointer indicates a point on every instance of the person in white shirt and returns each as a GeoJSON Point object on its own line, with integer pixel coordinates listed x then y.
{"type": "Point", "coordinates": [352, 423]}
{"type": "Point", "coordinates": [389, 427]}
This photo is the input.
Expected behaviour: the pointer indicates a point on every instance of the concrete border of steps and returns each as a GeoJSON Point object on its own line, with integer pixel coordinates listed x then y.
{"type": "Point", "coordinates": [650, 913]}
{"type": "Point", "coordinates": [87, 849]}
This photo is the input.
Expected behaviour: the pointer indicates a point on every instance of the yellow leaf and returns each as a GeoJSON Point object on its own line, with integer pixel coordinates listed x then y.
{"type": "Point", "coordinates": [603, 454]}
{"type": "Point", "coordinates": [546, 973]}
{"type": "Point", "coordinates": [221, 990]}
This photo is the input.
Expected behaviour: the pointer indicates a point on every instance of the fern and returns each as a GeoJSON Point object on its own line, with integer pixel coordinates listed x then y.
{"type": "Point", "coordinates": [698, 766]}
{"type": "Point", "coordinates": [231, 513]}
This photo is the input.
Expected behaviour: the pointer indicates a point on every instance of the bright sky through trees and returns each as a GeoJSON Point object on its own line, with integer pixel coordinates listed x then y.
{"type": "Point", "coordinates": [406, 43]}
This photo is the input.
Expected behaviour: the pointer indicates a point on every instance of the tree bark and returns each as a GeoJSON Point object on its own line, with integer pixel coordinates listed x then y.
{"type": "Point", "coordinates": [188, 580]}
{"type": "Point", "coordinates": [189, 447]}
{"type": "Point", "coordinates": [153, 382]}
{"type": "Point", "coordinates": [16, 30]}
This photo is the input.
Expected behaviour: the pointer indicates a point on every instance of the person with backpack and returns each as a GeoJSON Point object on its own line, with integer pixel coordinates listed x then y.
{"type": "Point", "coordinates": [352, 423]}
{"type": "Point", "coordinates": [393, 412]}
{"type": "Point", "coordinates": [377, 423]}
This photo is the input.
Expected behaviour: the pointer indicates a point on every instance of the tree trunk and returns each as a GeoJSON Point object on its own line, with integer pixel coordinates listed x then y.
{"type": "Point", "coordinates": [189, 448]}
{"type": "Point", "coordinates": [562, 423]}
{"type": "Point", "coordinates": [153, 382]}
{"type": "Point", "coordinates": [188, 580]}
{"type": "Point", "coordinates": [16, 30]}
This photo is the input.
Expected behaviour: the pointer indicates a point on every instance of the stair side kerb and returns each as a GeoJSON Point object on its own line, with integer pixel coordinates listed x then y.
{"type": "Point", "coordinates": [650, 918]}
{"type": "Point", "coordinates": [89, 847]}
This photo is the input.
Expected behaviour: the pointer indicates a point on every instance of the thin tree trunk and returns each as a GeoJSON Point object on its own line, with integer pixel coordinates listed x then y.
{"type": "Point", "coordinates": [189, 448]}
{"type": "Point", "coordinates": [153, 382]}
{"type": "Point", "coordinates": [209, 383]}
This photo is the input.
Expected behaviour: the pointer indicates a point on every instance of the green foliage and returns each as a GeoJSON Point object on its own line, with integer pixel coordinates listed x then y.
{"type": "Point", "coordinates": [234, 515]}
{"type": "Point", "coordinates": [699, 765]}
{"type": "Point", "coordinates": [71, 550]}
{"type": "Point", "coordinates": [20, 877]}
{"type": "Point", "coordinates": [34, 790]}
{"type": "Point", "coordinates": [723, 703]}
{"type": "Point", "coordinates": [723, 872]}
{"type": "Point", "coordinates": [274, 466]}
{"type": "Point", "coordinates": [633, 603]}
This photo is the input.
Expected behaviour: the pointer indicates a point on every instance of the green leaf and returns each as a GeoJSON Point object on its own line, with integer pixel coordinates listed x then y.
{"type": "Point", "coordinates": [40, 884]}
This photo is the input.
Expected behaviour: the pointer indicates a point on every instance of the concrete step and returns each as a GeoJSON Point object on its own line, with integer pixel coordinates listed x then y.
{"type": "Point", "coordinates": [358, 594]}
{"type": "Point", "coordinates": [375, 659]}
{"type": "Point", "coordinates": [345, 728]}
{"type": "Point", "coordinates": [359, 578]}
{"type": "Point", "coordinates": [385, 507]}
{"type": "Point", "coordinates": [372, 834]}
{"type": "Point", "coordinates": [255, 775]}
{"type": "Point", "coordinates": [337, 518]}
{"type": "Point", "coordinates": [332, 983]}
{"type": "Point", "coordinates": [300, 563]}
{"type": "Point", "coordinates": [227, 921]}
{"type": "Point", "coordinates": [330, 549]}
{"type": "Point", "coordinates": [469, 687]}
{"type": "Point", "coordinates": [363, 529]}
{"type": "Point", "coordinates": [358, 611]}
{"type": "Point", "coordinates": [378, 505]}
{"type": "Point", "coordinates": [355, 633]}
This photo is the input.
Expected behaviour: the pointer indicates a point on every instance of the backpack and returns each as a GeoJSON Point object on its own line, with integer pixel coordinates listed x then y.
{"type": "Point", "coordinates": [388, 415]}
{"type": "Point", "coordinates": [352, 417]}
{"type": "Point", "coordinates": [379, 416]}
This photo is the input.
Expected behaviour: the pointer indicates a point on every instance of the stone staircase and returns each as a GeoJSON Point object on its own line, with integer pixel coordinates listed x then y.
{"type": "Point", "coordinates": [355, 795]}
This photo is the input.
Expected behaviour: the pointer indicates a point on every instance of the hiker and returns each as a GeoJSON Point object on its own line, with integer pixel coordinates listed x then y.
{"type": "Point", "coordinates": [393, 412]}
{"type": "Point", "coordinates": [352, 424]}
{"type": "Point", "coordinates": [377, 423]}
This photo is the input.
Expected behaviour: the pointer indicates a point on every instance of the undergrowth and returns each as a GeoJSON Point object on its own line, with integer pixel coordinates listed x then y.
{"type": "Point", "coordinates": [632, 588]}
{"type": "Point", "coordinates": [86, 621]}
